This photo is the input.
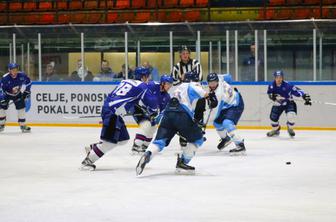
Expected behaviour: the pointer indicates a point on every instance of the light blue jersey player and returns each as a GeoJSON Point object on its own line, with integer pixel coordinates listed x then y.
{"type": "Point", "coordinates": [228, 112]}
{"type": "Point", "coordinates": [178, 118]}
{"type": "Point", "coordinates": [147, 126]}
{"type": "Point", "coordinates": [15, 86]}
{"type": "Point", "coordinates": [120, 102]}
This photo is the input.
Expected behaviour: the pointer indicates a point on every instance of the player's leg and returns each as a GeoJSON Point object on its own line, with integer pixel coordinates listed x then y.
{"type": "Point", "coordinates": [113, 132]}
{"type": "Point", "coordinates": [143, 137]}
{"type": "Point", "coordinates": [188, 129]}
{"type": "Point", "coordinates": [3, 108]}
{"type": "Point", "coordinates": [274, 116]}
{"type": "Point", "coordinates": [162, 139]}
{"type": "Point", "coordinates": [221, 131]}
{"type": "Point", "coordinates": [20, 107]}
{"type": "Point", "coordinates": [291, 111]}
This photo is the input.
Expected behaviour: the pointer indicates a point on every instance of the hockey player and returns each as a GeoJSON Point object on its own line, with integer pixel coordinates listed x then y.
{"type": "Point", "coordinates": [120, 102]}
{"type": "Point", "coordinates": [185, 65]}
{"type": "Point", "coordinates": [16, 87]}
{"type": "Point", "coordinates": [178, 119]}
{"type": "Point", "coordinates": [227, 113]}
{"type": "Point", "coordinates": [281, 92]}
{"type": "Point", "coordinates": [147, 126]}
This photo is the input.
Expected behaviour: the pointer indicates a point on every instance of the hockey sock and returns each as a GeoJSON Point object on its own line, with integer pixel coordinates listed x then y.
{"type": "Point", "coordinates": [275, 125]}
{"type": "Point", "coordinates": [222, 133]}
{"type": "Point", "coordinates": [2, 117]}
{"type": "Point", "coordinates": [21, 117]}
{"type": "Point", "coordinates": [99, 149]}
{"type": "Point", "coordinates": [188, 152]}
{"type": "Point", "coordinates": [235, 137]}
{"type": "Point", "coordinates": [291, 116]}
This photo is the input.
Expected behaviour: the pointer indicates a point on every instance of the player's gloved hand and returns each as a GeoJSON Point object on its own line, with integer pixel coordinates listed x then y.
{"type": "Point", "coordinates": [272, 97]}
{"type": "Point", "coordinates": [152, 118]}
{"type": "Point", "coordinates": [307, 99]}
{"type": "Point", "coordinates": [3, 102]}
{"type": "Point", "coordinates": [25, 95]}
{"type": "Point", "coordinates": [212, 100]}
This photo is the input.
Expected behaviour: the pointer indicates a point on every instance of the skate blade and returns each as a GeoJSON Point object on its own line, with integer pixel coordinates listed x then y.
{"type": "Point", "coordinates": [241, 153]}
{"type": "Point", "coordinates": [87, 168]}
{"type": "Point", "coordinates": [27, 131]}
{"type": "Point", "coordinates": [179, 171]}
{"type": "Point", "coordinates": [222, 148]}
{"type": "Point", "coordinates": [136, 153]}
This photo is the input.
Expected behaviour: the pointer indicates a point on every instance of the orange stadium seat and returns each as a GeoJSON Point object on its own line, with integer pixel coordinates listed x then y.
{"type": "Point", "coordinates": [170, 3]}
{"type": "Point", "coordinates": [31, 19]}
{"type": "Point", "coordinates": [94, 18]}
{"type": "Point", "coordinates": [152, 4]}
{"type": "Point", "coordinates": [3, 6]}
{"type": "Point", "coordinates": [75, 5]}
{"type": "Point", "coordinates": [329, 2]}
{"type": "Point", "coordinates": [294, 2]}
{"type": "Point", "coordinates": [173, 16]}
{"type": "Point", "coordinates": [120, 4]}
{"type": "Point", "coordinates": [138, 4]}
{"type": "Point", "coordinates": [142, 17]}
{"type": "Point", "coordinates": [48, 18]}
{"type": "Point", "coordinates": [3, 19]}
{"type": "Point", "coordinates": [187, 3]}
{"type": "Point", "coordinates": [192, 16]}
{"type": "Point", "coordinates": [311, 2]}
{"type": "Point", "coordinates": [93, 4]}
{"type": "Point", "coordinates": [61, 5]}
{"type": "Point", "coordinates": [15, 6]}
{"type": "Point", "coordinates": [126, 16]}
{"type": "Point", "coordinates": [29, 6]}
{"type": "Point", "coordinates": [277, 2]}
{"type": "Point", "coordinates": [112, 17]}
{"type": "Point", "coordinates": [45, 6]}
{"type": "Point", "coordinates": [15, 19]}
{"type": "Point", "coordinates": [202, 3]}
{"type": "Point", "coordinates": [63, 19]}
{"type": "Point", "coordinates": [78, 18]}
{"type": "Point", "coordinates": [283, 13]}
{"type": "Point", "coordinates": [302, 13]}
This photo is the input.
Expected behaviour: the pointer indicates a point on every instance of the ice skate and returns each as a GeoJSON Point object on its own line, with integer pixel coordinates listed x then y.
{"type": "Point", "coordinates": [273, 132]}
{"type": "Point", "coordinates": [182, 168]}
{"type": "Point", "coordinates": [145, 158]}
{"type": "Point", "coordinates": [291, 132]}
{"type": "Point", "coordinates": [87, 164]}
{"type": "Point", "coordinates": [239, 150]}
{"type": "Point", "coordinates": [2, 128]}
{"type": "Point", "coordinates": [25, 129]}
{"type": "Point", "coordinates": [224, 143]}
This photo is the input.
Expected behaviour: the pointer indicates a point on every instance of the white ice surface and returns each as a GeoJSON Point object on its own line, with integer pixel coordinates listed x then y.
{"type": "Point", "coordinates": [40, 180]}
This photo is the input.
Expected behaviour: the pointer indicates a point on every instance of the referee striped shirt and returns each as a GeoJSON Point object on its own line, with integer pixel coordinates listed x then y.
{"type": "Point", "coordinates": [181, 68]}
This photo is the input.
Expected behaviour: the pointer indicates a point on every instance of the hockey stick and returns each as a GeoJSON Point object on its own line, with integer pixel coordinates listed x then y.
{"type": "Point", "coordinates": [317, 102]}
{"type": "Point", "coordinates": [93, 116]}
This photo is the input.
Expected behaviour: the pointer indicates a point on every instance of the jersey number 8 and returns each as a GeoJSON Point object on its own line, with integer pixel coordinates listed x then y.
{"type": "Point", "coordinates": [123, 89]}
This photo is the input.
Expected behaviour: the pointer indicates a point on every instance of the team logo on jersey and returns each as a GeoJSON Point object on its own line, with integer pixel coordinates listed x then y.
{"type": "Point", "coordinates": [15, 89]}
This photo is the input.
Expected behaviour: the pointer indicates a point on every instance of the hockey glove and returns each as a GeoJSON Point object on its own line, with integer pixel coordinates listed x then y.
{"type": "Point", "coordinates": [3, 103]}
{"type": "Point", "coordinates": [25, 95]}
{"type": "Point", "coordinates": [212, 100]}
{"type": "Point", "coordinates": [272, 97]}
{"type": "Point", "coordinates": [307, 99]}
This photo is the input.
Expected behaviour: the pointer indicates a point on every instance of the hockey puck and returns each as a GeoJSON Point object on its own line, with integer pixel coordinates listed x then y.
{"type": "Point", "coordinates": [288, 163]}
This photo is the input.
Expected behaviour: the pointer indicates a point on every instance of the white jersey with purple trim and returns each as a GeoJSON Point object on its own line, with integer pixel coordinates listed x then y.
{"type": "Point", "coordinates": [227, 97]}
{"type": "Point", "coordinates": [188, 94]}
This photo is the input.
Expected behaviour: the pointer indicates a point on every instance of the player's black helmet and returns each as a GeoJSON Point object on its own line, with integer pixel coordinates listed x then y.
{"type": "Point", "coordinates": [212, 77]}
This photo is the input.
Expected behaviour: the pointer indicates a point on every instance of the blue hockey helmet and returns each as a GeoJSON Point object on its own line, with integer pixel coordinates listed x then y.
{"type": "Point", "coordinates": [191, 76]}
{"type": "Point", "coordinates": [278, 73]}
{"type": "Point", "coordinates": [212, 77]}
{"type": "Point", "coordinates": [13, 65]}
{"type": "Point", "coordinates": [166, 78]}
{"type": "Point", "coordinates": [140, 72]}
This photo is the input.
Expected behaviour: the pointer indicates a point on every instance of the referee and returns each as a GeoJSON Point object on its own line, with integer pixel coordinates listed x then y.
{"type": "Point", "coordinates": [185, 65]}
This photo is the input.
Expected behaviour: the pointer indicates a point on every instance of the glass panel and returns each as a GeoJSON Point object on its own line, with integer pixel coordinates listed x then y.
{"type": "Point", "coordinates": [328, 63]}
{"type": "Point", "coordinates": [292, 52]}
{"type": "Point", "coordinates": [5, 41]}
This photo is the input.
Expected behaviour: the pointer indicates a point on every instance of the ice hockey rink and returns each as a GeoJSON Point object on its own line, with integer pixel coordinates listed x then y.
{"type": "Point", "coordinates": [40, 180]}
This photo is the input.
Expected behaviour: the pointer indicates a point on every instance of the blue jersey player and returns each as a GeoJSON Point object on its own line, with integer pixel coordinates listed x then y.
{"type": "Point", "coordinates": [147, 126]}
{"type": "Point", "coordinates": [15, 86]}
{"type": "Point", "coordinates": [228, 112]}
{"type": "Point", "coordinates": [178, 118]}
{"type": "Point", "coordinates": [282, 92]}
{"type": "Point", "coordinates": [120, 102]}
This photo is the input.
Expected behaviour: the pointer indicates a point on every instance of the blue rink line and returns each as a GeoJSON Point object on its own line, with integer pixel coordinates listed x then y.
{"type": "Point", "coordinates": [307, 83]}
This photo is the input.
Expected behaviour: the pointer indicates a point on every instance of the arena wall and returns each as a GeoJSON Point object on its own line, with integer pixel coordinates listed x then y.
{"type": "Point", "coordinates": [61, 103]}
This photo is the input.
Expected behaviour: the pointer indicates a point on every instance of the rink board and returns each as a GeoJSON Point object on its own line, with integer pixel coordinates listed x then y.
{"type": "Point", "coordinates": [59, 103]}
